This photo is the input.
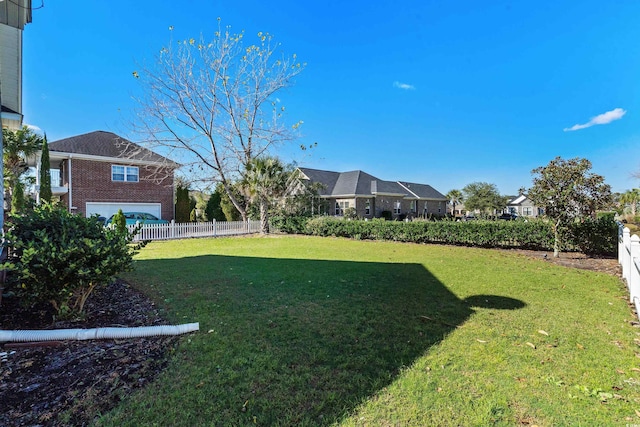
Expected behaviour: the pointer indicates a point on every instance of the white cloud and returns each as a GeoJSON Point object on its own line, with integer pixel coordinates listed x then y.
{"type": "Point", "coordinates": [602, 119]}
{"type": "Point", "coordinates": [403, 86]}
{"type": "Point", "coordinates": [35, 129]}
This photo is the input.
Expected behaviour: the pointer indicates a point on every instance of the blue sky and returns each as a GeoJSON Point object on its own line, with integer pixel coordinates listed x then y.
{"type": "Point", "coordinates": [437, 92]}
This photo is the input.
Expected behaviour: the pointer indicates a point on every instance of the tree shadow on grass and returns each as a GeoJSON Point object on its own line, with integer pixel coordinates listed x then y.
{"type": "Point", "coordinates": [297, 342]}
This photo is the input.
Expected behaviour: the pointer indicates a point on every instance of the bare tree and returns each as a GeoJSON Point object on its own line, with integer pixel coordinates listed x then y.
{"type": "Point", "coordinates": [212, 105]}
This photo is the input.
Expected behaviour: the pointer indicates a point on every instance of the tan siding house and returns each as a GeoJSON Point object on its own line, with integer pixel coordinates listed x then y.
{"type": "Point", "coordinates": [14, 15]}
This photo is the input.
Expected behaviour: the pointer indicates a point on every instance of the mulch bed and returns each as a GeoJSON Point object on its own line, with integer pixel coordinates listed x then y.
{"type": "Point", "coordinates": [69, 383]}
{"type": "Point", "coordinates": [575, 260]}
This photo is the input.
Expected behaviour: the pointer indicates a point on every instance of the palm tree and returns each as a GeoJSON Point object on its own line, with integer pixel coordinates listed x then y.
{"type": "Point", "coordinates": [18, 146]}
{"type": "Point", "coordinates": [455, 197]}
{"type": "Point", "coordinates": [265, 179]}
{"type": "Point", "coordinates": [631, 198]}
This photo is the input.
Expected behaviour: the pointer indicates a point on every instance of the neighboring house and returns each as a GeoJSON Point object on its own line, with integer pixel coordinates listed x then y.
{"type": "Point", "coordinates": [100, 172]}
{"type": "Point", "coordinates": [519, 205]}
{"type": "Point", "coordinates": [370, 196]}
{"type": "Point", "coordinates": [14, 15]}
{"type": "Point", "coordinates": [523, 206]}
{"type": "Point", "coordinates": [459, 210]}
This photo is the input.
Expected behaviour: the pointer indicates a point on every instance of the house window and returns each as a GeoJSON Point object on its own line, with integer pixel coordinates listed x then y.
{"type": "Point", "coordinates": [426, 208]}
{"type": "Point", "coordinates": [341, 206]}
{"type": "Point", "coordinates": [413, 206]}
{"type": "Point", "coordinates": [56, 180]}
{"type": "Point", "coordinates": [124, 173]}
{"type": "Point", "coordinates": [527, 211]}
{"type": "Point", "coordinates": [396, 207]}
{"type": "Point", "coordinates": [367, 207]}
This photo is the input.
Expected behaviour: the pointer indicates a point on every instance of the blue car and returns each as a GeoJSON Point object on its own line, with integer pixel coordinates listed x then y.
{"type": "Point", "coordinates": [139, 217]}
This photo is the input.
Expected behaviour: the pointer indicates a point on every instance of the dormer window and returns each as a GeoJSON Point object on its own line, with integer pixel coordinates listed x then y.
{"type": "Point", "coordinates": [124, 173]}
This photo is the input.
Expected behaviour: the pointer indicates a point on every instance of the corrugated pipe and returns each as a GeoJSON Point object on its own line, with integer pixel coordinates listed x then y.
{"type": "Point", "coordinates": [97, 333]}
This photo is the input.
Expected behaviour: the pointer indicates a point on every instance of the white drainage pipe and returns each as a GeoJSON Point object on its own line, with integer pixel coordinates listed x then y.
{"type": "Point", "coordinates": [97, 333]}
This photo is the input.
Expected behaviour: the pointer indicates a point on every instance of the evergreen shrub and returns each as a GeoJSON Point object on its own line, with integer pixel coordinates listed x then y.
{"type": "Point", "coordinates": [58, 257]}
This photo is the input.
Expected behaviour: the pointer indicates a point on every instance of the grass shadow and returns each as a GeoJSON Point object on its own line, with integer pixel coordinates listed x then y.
{"type": "Point", "coordinates": [293, 341]}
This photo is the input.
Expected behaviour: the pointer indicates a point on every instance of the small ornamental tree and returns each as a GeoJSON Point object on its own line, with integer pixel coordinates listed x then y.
{"type": "Point", "coordinates": [120, 222]}
{"type": "Point", "coordinates": [60, 258]}
{"type": "Point", "coordinates": [214, 206]}
{"type": "Point", "coordinates": [567, 190]}
{"type": "Point", "coordinates": [17, 201]}
{"type": "Point", "coordinates": [45, 173]}
{"type": "Point", "coordinates": [183, 203]}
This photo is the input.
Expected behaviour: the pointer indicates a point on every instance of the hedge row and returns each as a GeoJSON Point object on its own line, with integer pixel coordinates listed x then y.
{"type": "Point", "coordinates": [597, 236]}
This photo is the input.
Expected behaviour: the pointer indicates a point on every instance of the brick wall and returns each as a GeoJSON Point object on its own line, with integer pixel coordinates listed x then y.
{"type": "Point", "coordinates": [91, 182]}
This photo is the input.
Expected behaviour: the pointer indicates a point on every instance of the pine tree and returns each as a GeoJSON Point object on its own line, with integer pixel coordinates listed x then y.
{"type": "Point", "coordinates": [45, 173]}
{"type": "Point", "coordinates": [17, 201]}
{"type": "Point", "coordinates": [120, 222]}
{"type": "Point", "coordinates": [214, 208]}
{"type": "Point", "coordinates": [183, 204]}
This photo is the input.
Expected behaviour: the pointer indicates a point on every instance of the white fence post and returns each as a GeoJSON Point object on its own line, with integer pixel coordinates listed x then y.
{"type": "Point", "coordinates": [633, 282]}
{"type": "Point", "coordinates": [175, 230]}
{"type": "Point", "coordinates": [626, 254]}
{"type": "Point", "coordinates": [620, 243]}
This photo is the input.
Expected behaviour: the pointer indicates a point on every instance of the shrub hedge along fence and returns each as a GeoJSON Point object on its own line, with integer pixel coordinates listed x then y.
{"type": "Point", "coordinates": [592, 236]}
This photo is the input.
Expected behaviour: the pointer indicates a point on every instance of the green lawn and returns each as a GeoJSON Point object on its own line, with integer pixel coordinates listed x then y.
{"type": "Point", "coordinates": [302, 331]}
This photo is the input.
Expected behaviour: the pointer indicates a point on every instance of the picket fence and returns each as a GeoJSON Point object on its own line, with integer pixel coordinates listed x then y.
{"type": "Point", "coordinates": [187, 230]}
{"type": "Point", "coordinates": [629, 259]}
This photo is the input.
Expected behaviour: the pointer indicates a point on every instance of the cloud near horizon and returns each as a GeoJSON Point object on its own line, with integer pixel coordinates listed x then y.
{"type": "Point", "coordinates": [601, 119]}
{"type": "Point", "coordinates": [403, 86]}
{"type": "Point", "coordinates": [34, 128]}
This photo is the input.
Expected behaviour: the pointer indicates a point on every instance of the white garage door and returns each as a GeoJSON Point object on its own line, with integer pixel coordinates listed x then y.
{"type": "Point", "coordinates": [107, 209]}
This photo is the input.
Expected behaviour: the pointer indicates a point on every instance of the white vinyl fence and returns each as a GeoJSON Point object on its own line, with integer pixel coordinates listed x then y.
{"type": "Point", "coordinates": [195, 229]}
{"type": "Point", "coordinates": [629, 259]}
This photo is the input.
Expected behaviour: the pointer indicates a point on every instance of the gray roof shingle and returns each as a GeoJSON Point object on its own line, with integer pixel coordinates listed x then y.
{"type": "Point", "coordinates": [107, 144]}
{"type": "Point", "coordinates": [423, 191]}
{"type": "Point", "coordinates": [360, 183]}
{"type": "Point", "coordinates": [327, 178]}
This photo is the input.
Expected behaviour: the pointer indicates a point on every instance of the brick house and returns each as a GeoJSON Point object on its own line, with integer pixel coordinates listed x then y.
{"type": "Point", "coordinates": [101, 172]}
{"type": "Point", "coordinates": [370, 196]}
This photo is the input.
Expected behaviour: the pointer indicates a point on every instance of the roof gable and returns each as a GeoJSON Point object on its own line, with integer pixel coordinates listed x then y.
{"type": "Point", "coordinates": [423, 191]}
{"type": "Point", "coordinates": [517, 200]}
{"type": "Point", "coordinates": [389, 187]}
{"type": "Point", "coordinates": [359, 183]}
{"type": "Point", "coordinates": [327, 179]}
{"type": "Point", "coordinates": [107, 144]}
